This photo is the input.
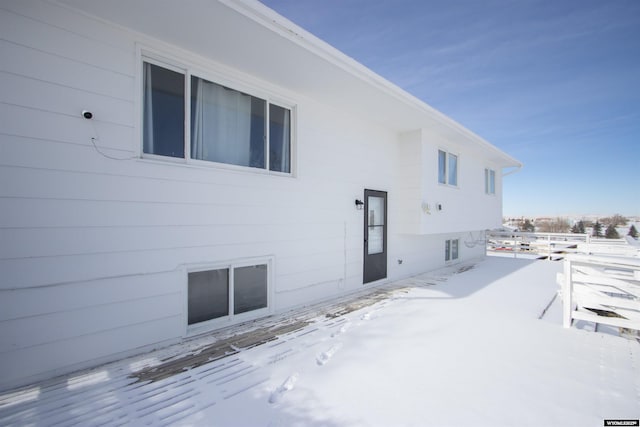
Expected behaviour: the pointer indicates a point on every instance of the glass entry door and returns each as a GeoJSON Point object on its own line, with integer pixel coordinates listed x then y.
{"type": "Point", "coordinates": [375, 235]}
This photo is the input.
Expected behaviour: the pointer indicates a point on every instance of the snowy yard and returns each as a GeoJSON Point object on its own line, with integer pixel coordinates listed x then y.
{"type": "Point", "coordinates": [442, 349]}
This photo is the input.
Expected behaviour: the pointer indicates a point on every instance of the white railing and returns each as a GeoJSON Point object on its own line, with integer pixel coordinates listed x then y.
{"type": "Point", "coordinates": [616, 247]}
{"type": "Point", "coordinates": [549, 245]}
{"type": "Point", "coordinates": [554, 246]}
{"type": "Point", "coordinates": [601, 289]}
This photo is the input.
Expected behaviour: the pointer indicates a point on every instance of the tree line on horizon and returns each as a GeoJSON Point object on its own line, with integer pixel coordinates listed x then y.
{"type": "Point", "coordinates": [561, 225]}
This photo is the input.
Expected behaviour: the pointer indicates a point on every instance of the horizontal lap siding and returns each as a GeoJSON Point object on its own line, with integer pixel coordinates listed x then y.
{"type": "Point", "coordinates": [71, 289]}
{"type": "Point", "coordinates": [72, 297]}
{"type": "Point", "coordinates": [93, 249]}
{"type": "Point", "coordinates": [70, 354]}
{"type": "Point", "coordinates": [28, 331]}
{"type": "Point", "coordinates": [63, 71]}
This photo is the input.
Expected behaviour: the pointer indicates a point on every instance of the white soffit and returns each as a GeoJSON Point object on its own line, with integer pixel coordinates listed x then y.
{"type": "Point", "coordinates": [281, 53]}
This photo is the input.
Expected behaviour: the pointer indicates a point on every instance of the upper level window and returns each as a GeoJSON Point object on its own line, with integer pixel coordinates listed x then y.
{"type": "Point", "coordinates": [163, 120]}
{"type": "Point", "coordinates": [489, 181]}
{"type": "Point", "coordinates": [226, 125]}
{"type": "Point", "coordinates": [447, 168]}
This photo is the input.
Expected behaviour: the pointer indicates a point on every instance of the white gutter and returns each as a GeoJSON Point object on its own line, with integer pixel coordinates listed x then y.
{"type": "Point", "coordinates": [512, 171]}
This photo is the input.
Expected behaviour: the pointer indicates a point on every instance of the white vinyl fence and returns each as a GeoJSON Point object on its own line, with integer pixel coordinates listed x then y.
{"type": "Point", "coordinates": [550, 245]}
{"type": "Point", "coordinates": [601, 289]}
{"type": "Point", "coordinates": [554, 246]}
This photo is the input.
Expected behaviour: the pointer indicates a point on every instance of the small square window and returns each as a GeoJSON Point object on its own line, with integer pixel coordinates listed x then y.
{"type": "Point", "coordinates": [451, 249]}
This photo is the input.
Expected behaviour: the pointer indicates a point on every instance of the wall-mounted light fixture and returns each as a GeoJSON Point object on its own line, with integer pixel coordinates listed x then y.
{"type": "Point", "coordinates": [359, 204]}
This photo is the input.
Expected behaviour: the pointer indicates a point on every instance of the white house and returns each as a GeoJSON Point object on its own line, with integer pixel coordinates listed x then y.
{"type": "Point", "coordinates": [173, 167]}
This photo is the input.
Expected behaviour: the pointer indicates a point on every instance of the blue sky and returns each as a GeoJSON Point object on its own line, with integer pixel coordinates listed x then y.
{"type": "Point", "coordinates": [554, 83]}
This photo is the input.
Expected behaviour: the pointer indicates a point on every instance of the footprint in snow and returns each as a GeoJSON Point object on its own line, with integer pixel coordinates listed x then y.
{"type": "Point", "coordinates": [325, 356]}
{"type": "Point", "coordinates": [284, 387]}
{"type": "Point", "coordinates": [344, 328]}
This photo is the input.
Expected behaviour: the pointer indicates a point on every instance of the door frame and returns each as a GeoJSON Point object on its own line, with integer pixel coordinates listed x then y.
{"type": "Point", "coordinates": [374, 265]}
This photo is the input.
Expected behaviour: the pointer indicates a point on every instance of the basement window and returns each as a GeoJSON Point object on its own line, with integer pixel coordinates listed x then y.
{"type": "Point", "coordinates": [451, 249]}
{"type": "Point", "coordinates": [226, 292]}
{"type": "Point", "coordinates": [208, 295]}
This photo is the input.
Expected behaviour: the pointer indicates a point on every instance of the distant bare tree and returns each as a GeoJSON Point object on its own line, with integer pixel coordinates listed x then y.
{"type": "Point", "coordinates": [615, 220]}
{"type": "Point", "coordinates": [557, 225]}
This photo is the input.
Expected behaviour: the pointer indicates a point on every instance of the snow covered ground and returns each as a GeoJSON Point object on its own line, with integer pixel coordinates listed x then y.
{"type": "Point", "coordinates": [465, 349]}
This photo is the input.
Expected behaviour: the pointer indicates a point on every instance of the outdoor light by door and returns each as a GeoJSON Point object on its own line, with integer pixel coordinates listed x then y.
{"type": "Point", "coordinates": [359, 204]}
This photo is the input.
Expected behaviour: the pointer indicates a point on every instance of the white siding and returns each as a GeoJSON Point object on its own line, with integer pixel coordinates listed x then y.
{"type": "Point", "coordinates": [428, 207]}
{"type": "Point", "coordinates": [93, 249]}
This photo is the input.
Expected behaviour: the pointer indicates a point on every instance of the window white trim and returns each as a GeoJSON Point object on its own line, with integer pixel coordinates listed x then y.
{"type": "Point", "coordinates": [231, 318]}
{"type": "Point", "coordinates": [489, 181]}
{"type": "Point", "coordinates": [451, 250]}
{"type": "Point", "coordinates": [213, 73]}
{"type": "Point", "coordinates": [446, 179]}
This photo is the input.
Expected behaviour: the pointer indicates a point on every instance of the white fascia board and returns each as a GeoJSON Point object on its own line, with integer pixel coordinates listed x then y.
{"type": "Point", "coordinates": [270, 19]}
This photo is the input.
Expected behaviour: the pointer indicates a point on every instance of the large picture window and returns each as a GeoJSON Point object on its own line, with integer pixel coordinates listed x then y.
{"type": "Point", "coordinates": [447, 168]}
{"type": "Point", "coordinates": [226, 125]}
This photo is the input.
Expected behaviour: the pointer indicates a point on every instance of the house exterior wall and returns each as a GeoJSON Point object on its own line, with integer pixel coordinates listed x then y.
{"type": "Point", "coordinates": [96, 241]}
{"type": "Point", "coordinates": [429, 207]}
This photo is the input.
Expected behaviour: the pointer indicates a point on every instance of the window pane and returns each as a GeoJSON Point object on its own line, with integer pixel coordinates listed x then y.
{"type": "Point", "coordinates": [492, 182]}
{"type": "Point", "coordinates": [442, 167]}
{"type": "Point", "coordinates": [227, 126]}
{"type": "Point", "coordinates": [453, 169]}
{"type": "Point", "coordinates": [454, 249]}
{"type": "Point", "coordinates": [208, 295]}
{"type": "Point", "coordinates": [375, 241]}
{"type": "Point", "coordinates": [249, 288]}
{"type": "Point", "coordinates": [375, 222]}
{"type": "Point", "coordinates": [486, 181]}
{"type": "Point", "coordinates": [375, 205]}
{"type": "Point", "coordinates": [279, 139]}
{"type": "Point", "coordinates": [447, 250]}
{"type": "Point", "coordinates": [163, 119]}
